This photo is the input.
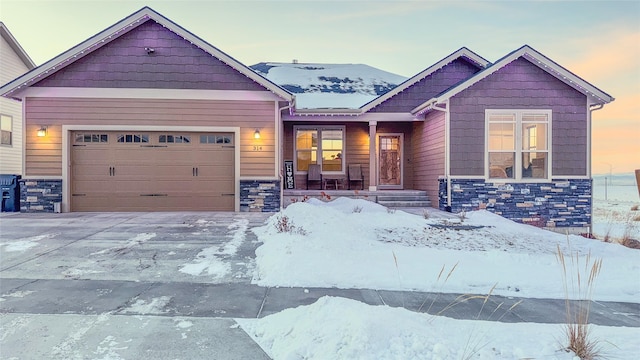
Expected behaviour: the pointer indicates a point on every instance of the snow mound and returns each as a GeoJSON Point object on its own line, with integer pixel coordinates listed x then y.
{"type": "Point", "coordinates": [339, 328]}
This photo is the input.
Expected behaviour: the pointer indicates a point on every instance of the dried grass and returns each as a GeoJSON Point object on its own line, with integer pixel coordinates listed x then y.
{"type": "Point", "coordinates": [577, 286]}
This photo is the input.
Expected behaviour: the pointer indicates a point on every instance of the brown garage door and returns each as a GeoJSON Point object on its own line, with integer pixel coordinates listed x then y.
{"type": "Point", "coordinates": [152, 171]}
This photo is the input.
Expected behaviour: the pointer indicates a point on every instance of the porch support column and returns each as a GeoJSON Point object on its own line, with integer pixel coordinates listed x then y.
{"type": "Point", "coordinates": [373, 181]}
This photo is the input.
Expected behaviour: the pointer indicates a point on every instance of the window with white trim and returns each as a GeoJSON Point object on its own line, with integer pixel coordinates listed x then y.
{"type": "Point", "coordinates": [6, 130]}
{"type": "Point", "coordinates": [319, 145]}
{"type": "Point", "coordinates": [518, 144]}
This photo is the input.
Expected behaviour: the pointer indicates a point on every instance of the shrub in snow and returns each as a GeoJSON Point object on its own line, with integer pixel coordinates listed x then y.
{"type": "Point", "coordinates": [285, 225]}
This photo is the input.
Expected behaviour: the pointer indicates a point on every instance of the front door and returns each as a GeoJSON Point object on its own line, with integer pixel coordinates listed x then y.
{"type": "Point", "coordinates": [390, 161]}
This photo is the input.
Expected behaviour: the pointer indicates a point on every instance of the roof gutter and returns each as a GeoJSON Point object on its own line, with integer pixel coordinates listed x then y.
{"type": "Point", "coordinates": [447, 146]}
{"type": "Point", "coordinates": [424, 107]}
{"type": "Point", "coordinates": [592, 108]}
{"type": "Point", "coordinates": [280, 131]}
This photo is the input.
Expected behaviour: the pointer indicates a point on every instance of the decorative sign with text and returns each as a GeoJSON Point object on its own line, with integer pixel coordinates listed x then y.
{"type": "Point", "coordinates": [288, 175]}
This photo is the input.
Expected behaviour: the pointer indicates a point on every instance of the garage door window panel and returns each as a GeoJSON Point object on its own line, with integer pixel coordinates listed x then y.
{"type": "Point", "coordinates": [174, 139]}
{"type": "Point", "coordinates": [91, 138]}
{"type": "Point", "coordinates": [216, 139]}
{"type": "Point", "coordinates": [133, 138]}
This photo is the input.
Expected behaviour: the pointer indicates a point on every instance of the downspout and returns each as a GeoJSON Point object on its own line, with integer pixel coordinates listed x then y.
{"type": "Point", "coordinates": [447, 165]}
{"type": "Point", "coordinates": [280, 130]}
{"type": "Point", "coordinates": [592, 108]}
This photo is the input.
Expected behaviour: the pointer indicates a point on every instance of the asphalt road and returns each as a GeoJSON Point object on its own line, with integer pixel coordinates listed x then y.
{"type": "Point", "coordinates": [169, 285]}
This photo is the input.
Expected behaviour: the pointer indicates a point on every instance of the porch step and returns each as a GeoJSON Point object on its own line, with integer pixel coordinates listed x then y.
{"type": "Point", "coordinates": [417, 199]}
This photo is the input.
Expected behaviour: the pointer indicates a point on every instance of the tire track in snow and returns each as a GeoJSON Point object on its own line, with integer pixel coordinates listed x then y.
{"type": "Point", "coordinates": [211, 261]}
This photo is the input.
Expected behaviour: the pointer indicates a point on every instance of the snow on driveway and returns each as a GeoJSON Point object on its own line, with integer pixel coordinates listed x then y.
{"type": "Point", "coordinates": [211, 261]}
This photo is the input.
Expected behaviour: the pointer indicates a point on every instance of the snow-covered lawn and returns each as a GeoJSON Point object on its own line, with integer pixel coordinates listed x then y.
{"type": "Point", "coordinates": [350, 243]}
{"type": "Point", "coordinates": [357, 244]}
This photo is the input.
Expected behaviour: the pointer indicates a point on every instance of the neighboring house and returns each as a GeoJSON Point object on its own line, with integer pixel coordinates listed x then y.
{"type": "Point", "coordinates": [147, 116]}
{"type": "Point", "coordinates": [14, 62]}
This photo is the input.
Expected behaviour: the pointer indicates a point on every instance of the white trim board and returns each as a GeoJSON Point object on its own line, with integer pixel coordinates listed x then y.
{"type": "Point", "coordinates": [129, 93]}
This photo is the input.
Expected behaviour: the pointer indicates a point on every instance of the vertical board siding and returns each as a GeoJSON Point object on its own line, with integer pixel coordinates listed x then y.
{"type": "Point", "coordinates": [429, 153]}
{"type": "Point", "coordinates": [44, 155]}
{"type": "Point", "coordinates": [174, 64]}
{"type": "Point", "coordinates": [357, 148]}
{"type": "Point", "coordinates": [428, 87]}
{"type": "Point", "coordinates": [519, 85]}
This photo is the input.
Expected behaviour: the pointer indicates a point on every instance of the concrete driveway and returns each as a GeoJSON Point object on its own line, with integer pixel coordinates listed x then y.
{"type": "Point", "coordinates": [169, 285]}
{"type": "Point", "coordinates": [127, 285]}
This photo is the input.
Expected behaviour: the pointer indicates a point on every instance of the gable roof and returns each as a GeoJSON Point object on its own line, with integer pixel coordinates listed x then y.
{"type": "Point", "coordinates": [13, 43]}
{"type": "Point", "coordinates": [123, 26]}
{"type": "Point", "coordinates": [597, 96]}
{"type": "Point", "coordinates": [463, 52]}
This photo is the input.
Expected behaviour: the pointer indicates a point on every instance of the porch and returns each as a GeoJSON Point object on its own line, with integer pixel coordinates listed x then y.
{"type": "Point", "coordinates": [411, 199]}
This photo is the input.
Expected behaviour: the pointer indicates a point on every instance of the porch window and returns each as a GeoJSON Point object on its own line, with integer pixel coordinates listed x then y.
{"type": "Point", "coordinates": [518, 144]}
{"type": "Point", "coordinates": [319, 145]}
{"type": "Point", "coordinates": [6, 130]}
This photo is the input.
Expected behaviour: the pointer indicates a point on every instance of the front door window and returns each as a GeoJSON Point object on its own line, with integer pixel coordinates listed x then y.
{"type": "Point", "coordinates": [390, 161]}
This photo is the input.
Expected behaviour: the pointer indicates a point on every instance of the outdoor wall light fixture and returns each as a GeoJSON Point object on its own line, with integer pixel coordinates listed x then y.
{"type": "Point", "coordinates": [149, 50]}
{"type": "Point", "coordinates": [42, 132]}
{"type": "Point", "coordinates": [256, 134]}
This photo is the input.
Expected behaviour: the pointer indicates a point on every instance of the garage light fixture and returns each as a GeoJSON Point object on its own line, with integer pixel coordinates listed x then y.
{"type": "Point", "coordinates": [42, 132]}
{"type": "Point", "coordinates": [256, 134]}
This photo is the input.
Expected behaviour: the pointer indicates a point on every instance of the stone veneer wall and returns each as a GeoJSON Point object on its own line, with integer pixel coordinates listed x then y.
{"type": "Point", "coordinates": [561, 203]}
{"type": "Point", "coordinates": [39, 195]}
{"type": "Point", "coordinates": [260, 195]}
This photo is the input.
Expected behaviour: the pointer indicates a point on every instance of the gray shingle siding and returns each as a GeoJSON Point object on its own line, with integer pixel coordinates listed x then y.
{"type": "Point", "coordinates": [425, 89]}
{"type": "Point", "coordinates": [519, 85]}
{"type": "Point", "coordinates": [175, 64]}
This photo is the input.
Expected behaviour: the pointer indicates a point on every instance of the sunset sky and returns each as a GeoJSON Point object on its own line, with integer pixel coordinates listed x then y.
{"type": "Point", "coordinates": [597, 40]}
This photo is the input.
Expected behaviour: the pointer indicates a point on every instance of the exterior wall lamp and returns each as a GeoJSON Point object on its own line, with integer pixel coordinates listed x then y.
{"type": "Point", "coordinates": [256, 134]}
{"type": "Point", "coordinates": [42, 132]}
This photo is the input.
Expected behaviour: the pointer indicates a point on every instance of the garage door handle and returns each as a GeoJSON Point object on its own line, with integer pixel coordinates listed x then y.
{"type": "Point", "coordinates": [228, 194]}
{"type": "Point", "coordinates": [194, 171]}
{"type": "Point", "coordinates": [112, 171]}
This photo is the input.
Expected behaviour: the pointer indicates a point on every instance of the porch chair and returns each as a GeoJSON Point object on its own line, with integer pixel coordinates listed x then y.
{"type": "Point", "coordinates": [355, 174]}
{"type": "Point", "coordinates": [314, 175]}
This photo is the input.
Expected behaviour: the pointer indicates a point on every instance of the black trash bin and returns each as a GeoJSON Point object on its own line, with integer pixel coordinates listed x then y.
{"type": "Point", "coordinates": [10, 188]}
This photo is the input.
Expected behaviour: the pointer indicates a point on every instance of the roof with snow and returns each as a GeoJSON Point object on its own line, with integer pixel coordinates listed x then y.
{"type": "Point", "coordinates": [330, 86]}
